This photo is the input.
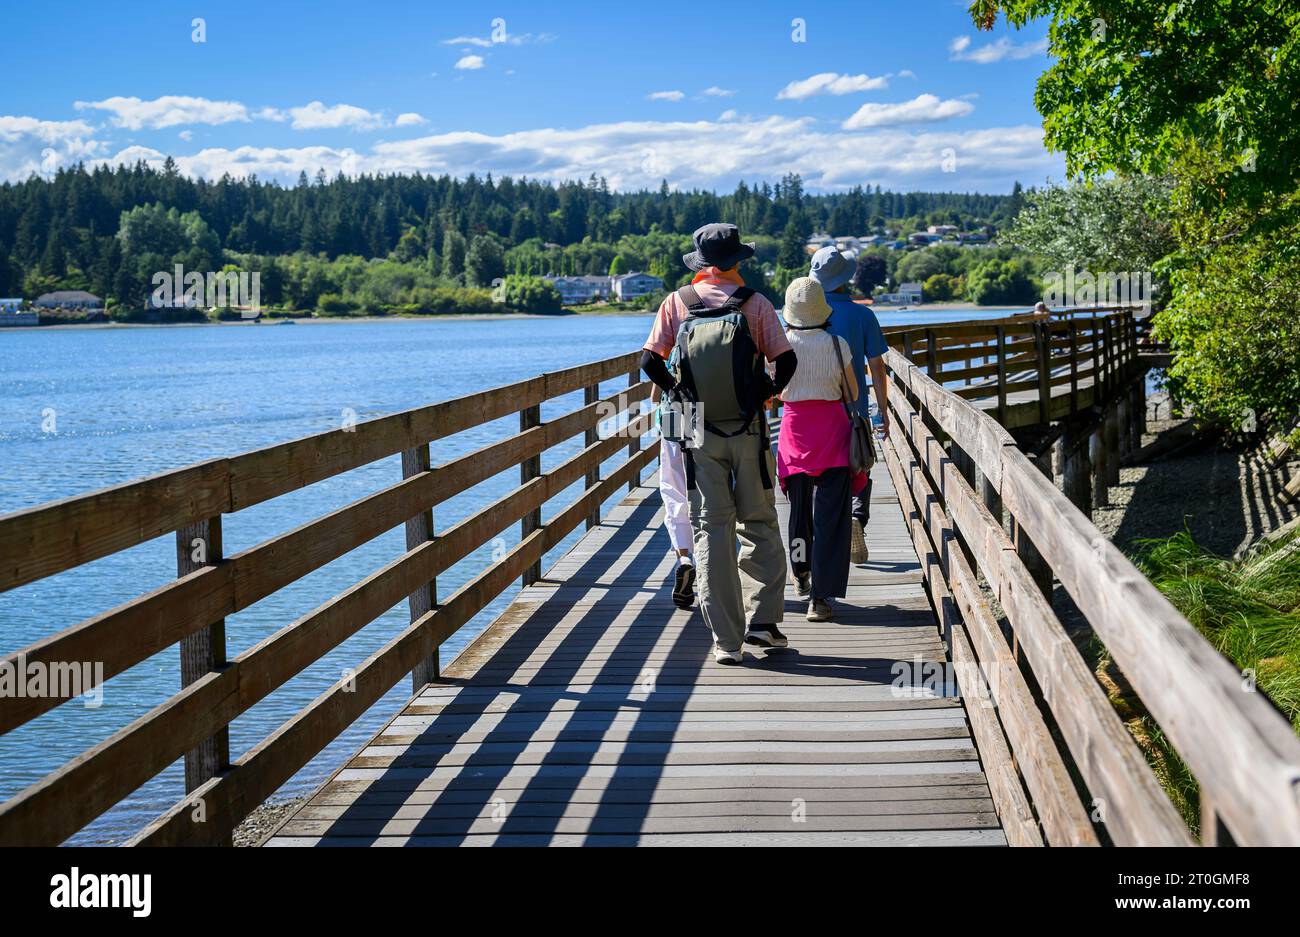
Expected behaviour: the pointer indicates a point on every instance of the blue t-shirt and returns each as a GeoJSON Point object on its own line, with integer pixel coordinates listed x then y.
{"type": "Point", "coordinates": [858, 326]}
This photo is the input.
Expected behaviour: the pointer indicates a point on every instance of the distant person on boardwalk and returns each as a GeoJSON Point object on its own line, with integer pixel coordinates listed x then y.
{"type": "Point", "coordinates": [857, 325]}
{"type": "Point", "coordinates": [677, 505]}
{"type": "Point", "coordinates": [724, 331]}
{"type": "Point", "coordinates": [813, 450]}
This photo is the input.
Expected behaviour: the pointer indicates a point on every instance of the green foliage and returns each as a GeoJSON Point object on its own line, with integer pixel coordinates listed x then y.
{"type": "Point", "coordinates": [1133, 83]}
{"type": "Point", "coordinates": [529, 294]}
{"type": "Point", "coordinates": [1235, 323]}
{"type": "Point", "coordinates": [939, 288]}
{"type": "Point", "coordinates": [1001, 283]}
{"type": "Point", "coordinates": [1109, 225]}
{"type": "Point", "coordinates": [1249, 609]}
{"type": "Point", "coordinates": [484, 261]}
{"type": "Point", "coordinates": [872, 271]}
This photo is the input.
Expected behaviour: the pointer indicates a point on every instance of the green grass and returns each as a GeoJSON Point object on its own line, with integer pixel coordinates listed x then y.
{"type": "Point", "coordinates": [1249, 609]}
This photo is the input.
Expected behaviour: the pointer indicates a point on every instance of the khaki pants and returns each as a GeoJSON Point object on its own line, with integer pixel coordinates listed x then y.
{"type": "Point", "coordinates": [728, 500]}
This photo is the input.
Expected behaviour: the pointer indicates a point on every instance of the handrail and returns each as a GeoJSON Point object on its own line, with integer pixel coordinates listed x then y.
{"type": "Point", "coordinates": [1242, 751]}
{"type": "Point", "coordinates": [42, 541]}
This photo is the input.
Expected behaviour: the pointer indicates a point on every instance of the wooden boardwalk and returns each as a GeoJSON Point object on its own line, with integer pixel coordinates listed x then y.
{"type": "Point", "coordinates": [591, 713]}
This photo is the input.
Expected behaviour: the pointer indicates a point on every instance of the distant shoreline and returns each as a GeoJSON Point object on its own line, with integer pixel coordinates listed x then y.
{"type": "Point", "coordinates": [450, 317]}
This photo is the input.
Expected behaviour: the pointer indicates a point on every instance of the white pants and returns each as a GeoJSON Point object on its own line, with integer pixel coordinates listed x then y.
{"type": "Point", "coordinates": [672, 489]}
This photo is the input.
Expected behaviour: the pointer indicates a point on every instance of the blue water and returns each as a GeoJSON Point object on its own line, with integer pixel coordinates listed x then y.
{"type": "Point", "coordinates": [81, 409]}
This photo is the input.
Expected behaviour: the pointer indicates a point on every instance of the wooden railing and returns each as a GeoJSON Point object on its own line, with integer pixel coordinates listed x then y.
{"type": "Point", "coordinates": [190, 611]}
{"type": "Point", "coordinates": [1062, 766]}
{"type": "Point", "coordinates": [1020, 367]}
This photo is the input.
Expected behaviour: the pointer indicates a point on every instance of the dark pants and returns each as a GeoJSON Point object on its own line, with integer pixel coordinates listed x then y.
{"type": "Point", "coordinates": [819, 529]}
{"type": "Point", "coordinates": [862, 505]}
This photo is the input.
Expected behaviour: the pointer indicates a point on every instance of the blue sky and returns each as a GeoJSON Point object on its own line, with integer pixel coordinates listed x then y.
{"type": "Point", "coordinates": [907, 95]}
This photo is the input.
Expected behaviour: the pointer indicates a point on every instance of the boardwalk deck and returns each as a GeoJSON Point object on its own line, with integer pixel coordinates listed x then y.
{"type": "Point", "coordinates": [591, 713]}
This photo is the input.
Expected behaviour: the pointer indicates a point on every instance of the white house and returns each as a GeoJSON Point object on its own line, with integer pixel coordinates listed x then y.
{"type": "Point", "coordinates": [907, 293]}
{"type": "Point", "coordinates": [581, 289]}
{"type": "Point", "coordinates": [69, 299]}
{"type": "Point", "coordinates": [635, 285]}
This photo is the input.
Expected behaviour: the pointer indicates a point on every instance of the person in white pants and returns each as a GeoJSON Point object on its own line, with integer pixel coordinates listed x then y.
{"type": "Point", "coordinates": [677, 515]}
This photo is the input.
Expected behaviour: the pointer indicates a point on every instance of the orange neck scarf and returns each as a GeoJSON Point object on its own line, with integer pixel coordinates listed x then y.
{"type": "Point", "coordinates": [713, 273]}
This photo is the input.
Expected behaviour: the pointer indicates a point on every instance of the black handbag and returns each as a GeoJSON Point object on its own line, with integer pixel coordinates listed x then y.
{"type": "Point", "coordinates": [862, 444]}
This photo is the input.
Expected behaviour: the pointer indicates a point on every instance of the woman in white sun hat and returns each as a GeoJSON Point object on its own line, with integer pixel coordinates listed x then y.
{"type": "Point", "coordinates": [813, 449]}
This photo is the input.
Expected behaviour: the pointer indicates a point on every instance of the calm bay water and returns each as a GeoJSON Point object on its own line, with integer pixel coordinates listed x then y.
{"type": "Point", "coordinates": [84, 408]}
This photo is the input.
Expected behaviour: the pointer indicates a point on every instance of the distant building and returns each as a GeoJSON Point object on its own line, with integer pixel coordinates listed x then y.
{"type": "Point", "coordinates": [923, 238]}
{"type": "Point", "coordinates": [575, 291]}
{"type": "Point", "coordinates": [941, 229]}
{"type": "Point", "coordinates": [69, 299]}
{"type": "Point", "coordinates": [974, 237]}
{"type": "Point", "coordinates": [12, 313]}
{"type": "Point", "coordinates": [635, 285]}
{"type": "Point", "coordinates": [908, 293]}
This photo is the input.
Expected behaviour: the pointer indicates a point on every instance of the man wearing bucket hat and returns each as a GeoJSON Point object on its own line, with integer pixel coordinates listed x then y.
{"type": "Point", "coordinates": [723, 331]}
{"type": "Point", "coordinates": [857, 325]}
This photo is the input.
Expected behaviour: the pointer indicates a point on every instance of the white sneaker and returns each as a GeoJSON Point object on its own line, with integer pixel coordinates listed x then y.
{"type": "Point", "coordinates": [722, 656]}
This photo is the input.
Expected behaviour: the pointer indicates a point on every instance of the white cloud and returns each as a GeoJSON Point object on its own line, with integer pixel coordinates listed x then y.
{"type": "Point", "coordinates": [469, 62]}
{"type": "Point", "coordinates": [29, 145]}
{"type": "Point", "coordinates": [922, 109]}
{"type": "Point", "coordinates": [186, 135]}
{"type": "Point", "coordinates": [170, 110]}
{"type": "Point", "coordinates": [727, 115]}
{"type": "Point", "coordinates": [960, 50]}
{"type": "Point", "coordinates": [705, 154]}
{"type": "Point", "coordinates": [409, 119]}
{"type": "Point", "coordinates": [716, 92]}
{"type": "Point", "coordinates": [316, 116]}
{"type": "Point", "coordinates": [481, 42]}
{"type": "Point", "coordinates": [665, 96]}
{"type": "Point", "coordinates": [831, 83]}
{"type": "Point", "coordinates": [907, 73]}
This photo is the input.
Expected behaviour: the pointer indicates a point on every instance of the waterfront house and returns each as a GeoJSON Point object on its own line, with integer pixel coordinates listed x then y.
{"type": "Point", "coordinates": [577, 290]}
{"type": "Point", "coordinates": [11, 305]}
{"type": "Point", "coordinates": [69, 299]}
{"type": "Point", "coordinates": [635, 285]}
{"type": "Point", "coordinates": [12, 313]}
{"type": "Point", "coordinates": [907, 293]}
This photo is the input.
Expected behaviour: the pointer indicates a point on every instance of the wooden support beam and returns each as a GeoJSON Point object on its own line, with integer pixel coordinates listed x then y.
{"type": "Point", "coordinates": [1025, 549]}
{"type": "Point", "coordinates": [1076, 466]}
{"type": "Point", "coordinates": [634, 445]}
{"type": "Point", "coordinates": [528, 470]}
{"type": "Point", "coordinates": [1097, 459]}
{"type": "Point", "coordinates": [590, 394]}
{"type": "Point", "coordinates": [199, 545]}
{"type": "Point", "coordinates": [1002, 373]}
{"type": "Point", "coordinates": [419, 530]}
{"type": "Point", "coordinates": [1110, 427]}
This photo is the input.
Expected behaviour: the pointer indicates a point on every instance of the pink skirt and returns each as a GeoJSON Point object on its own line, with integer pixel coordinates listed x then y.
{"type": "Point", "coordinates": [814, 437]}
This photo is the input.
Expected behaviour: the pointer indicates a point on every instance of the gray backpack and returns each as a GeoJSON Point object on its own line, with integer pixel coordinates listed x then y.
{"type": "Point", "coordinates": [718, 366]}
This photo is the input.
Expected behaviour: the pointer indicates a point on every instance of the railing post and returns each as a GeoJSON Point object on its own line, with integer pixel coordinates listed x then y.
{"type": "Point", "coordinates": [1110, 425]}
{"type": "Point", "coordinates": [1074, 367]}
{"type": "Point", "coordinates": [907, 347]}
{"type": "Point", "coordinates": [589, 396]}
{"type": "Point", "coordinates": [1041, 338]}
{"type": "Point", "coordinates": [199, 545]}
{"type": "Point", "coordinates": [1002, 374]}
{"type": "Point", "coordinates": [634, 446]}
{"type": "Point", "coordinates": [1094, 333]}
{"type": "Point", "coordinates": [529, 469]}
{"type": "Point", "coordinates": [931, 356]}
{"type": "Point", "coordinates": [419, 529]}
{"type": "Point", "coordinates": [1076, 466]}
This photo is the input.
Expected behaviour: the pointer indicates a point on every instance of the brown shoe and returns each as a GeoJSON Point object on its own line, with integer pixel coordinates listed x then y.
{"type": "Point", "coordinates": [857, 543]}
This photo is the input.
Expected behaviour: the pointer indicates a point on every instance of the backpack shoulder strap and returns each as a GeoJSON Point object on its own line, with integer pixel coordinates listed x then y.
{"type": "Point", "coordinates": [691, 300]}
{"type": "Point", "coordinates": [739, 297]}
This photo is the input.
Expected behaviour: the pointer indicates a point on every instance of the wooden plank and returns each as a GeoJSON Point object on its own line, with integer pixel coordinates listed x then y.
{"type": "Point", "coordinates": [199, 546]}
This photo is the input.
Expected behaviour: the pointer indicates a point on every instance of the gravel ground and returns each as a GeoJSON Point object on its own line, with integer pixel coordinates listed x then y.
{"type": "Point", "coordinates": [264, 820]}
{"type": "Point", "coordinates": [1224, 495]}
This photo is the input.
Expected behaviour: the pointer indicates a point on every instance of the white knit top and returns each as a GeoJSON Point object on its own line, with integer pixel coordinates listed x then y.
{"type": "Point", "coordinates": [818, 375]}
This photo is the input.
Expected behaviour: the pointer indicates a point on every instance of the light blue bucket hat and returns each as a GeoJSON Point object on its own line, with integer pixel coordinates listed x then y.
{"type": "Point", "coordinates": [832, 269]}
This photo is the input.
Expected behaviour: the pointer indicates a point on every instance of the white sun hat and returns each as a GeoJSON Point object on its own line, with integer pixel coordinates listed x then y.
{"type": "Point", "coordinates": [805, 304]}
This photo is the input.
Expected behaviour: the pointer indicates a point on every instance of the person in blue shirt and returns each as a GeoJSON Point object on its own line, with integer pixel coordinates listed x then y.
{"type": "Point", "coordinates": [857, 325]}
